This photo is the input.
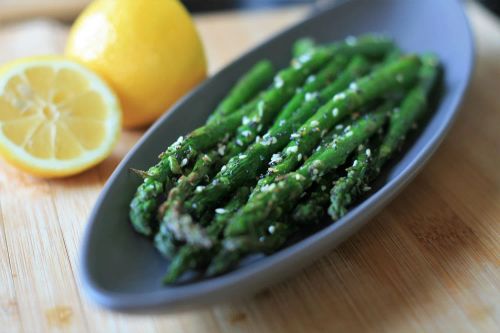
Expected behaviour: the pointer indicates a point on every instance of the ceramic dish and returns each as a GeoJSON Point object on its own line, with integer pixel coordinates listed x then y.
{"type": "Point", "coordinates": [122, 270]}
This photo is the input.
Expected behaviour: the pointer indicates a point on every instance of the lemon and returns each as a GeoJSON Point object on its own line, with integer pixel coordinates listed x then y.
{"type": "Point", "coordinates": [148, 51]}
{"type": "Point", "coordinates": [57, 118]}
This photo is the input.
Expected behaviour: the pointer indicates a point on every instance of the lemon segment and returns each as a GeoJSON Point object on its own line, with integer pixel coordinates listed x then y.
{"type": "Point", "coordinates": [57, 118]}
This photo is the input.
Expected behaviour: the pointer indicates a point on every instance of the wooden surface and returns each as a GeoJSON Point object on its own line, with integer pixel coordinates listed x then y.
{"type": "Point", "coordinates": [428, 263]}
{"type": "Point", "coordinates": [21, 9]}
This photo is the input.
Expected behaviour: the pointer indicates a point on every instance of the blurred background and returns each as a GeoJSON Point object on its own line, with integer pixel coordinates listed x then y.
{"type": "Point", "coordinates": [68, 9]}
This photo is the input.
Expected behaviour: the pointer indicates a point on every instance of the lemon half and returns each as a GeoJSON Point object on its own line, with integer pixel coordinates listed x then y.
{"type": "Point", "coordinates": [57, 118]}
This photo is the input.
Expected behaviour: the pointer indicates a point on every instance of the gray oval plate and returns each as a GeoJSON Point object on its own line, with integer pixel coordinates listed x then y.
{"type": "Point", "coordinates": [121, 270]}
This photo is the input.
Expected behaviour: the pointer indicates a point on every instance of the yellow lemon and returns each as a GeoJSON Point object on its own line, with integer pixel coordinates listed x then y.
{"type": "Point", "coordinates": [57, 118]}
{"type": "Point", "coordinates": [148, 51]}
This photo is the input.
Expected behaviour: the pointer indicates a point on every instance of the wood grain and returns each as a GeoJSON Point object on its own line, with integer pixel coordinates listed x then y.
{"type": "Point", "coordinates": [428, 263]}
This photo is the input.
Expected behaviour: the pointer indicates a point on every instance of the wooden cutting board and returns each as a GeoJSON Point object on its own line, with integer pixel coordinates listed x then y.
{"type": "Point", "coordinates": [22, 9]}
{"type": "Point", "coordinates": [428, 263]}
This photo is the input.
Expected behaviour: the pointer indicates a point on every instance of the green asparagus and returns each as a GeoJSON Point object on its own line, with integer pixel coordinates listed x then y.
{"type": "Point", "coordinates": [302, 46]}
{"type": "Point", "coordinates": [247, 87]}
{"type": "Point", "coordinates": [235, 248]}
{"type": "Point", "coordinates": [277, 198]}
{"type": "Point", "coordinates": [192, 256]}
{"type": "Point", "coordinates": [311, 209]}
{"type": "Point", "coordinates": [348, 188]}
{"type": "Point", "coordinates": [250, 164]}
{"type": "Point", "coordinates": [394, 76]}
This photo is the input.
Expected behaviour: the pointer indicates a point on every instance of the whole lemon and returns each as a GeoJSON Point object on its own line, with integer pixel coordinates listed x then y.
{"type": "Point", "coordinates": [148, 51]}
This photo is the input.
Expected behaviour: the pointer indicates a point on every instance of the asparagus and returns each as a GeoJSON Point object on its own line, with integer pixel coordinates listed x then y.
{"type": "Point", "coordinates": [302, 46]}
{"type": "Point", "coordinates": [235, 248]}
{"type": "Point", "coordinates": [350, 186]}
{"type": "Point", "coordinates": [250, 164]}
{"type": "Point", "coordinates": [182, 226]}
{"type": "Point", "coordinates": [191, 256]}
{"type": "Point", "coordinates": [414, 105]}
{"type": "Point", "coordinates": [247, 87]}
{"type": "Point", "coordinates": [394, 76]}
{"type": "Point", "coordinates": [144, 203]}
{"type": "Point", "coordinates": [311, 209]}
{"type": "Point", "coordinates": [277, 198]}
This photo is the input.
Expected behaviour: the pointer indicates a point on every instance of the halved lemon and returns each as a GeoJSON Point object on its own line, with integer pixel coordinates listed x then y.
{"type": "Point", "coordinates": [57, 118]}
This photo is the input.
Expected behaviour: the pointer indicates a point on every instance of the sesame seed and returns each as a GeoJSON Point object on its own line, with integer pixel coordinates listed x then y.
{"type": "Point", "coordinates": [297, 177]}
{"type": "Point", "coordinates": [314, 123]}
{"type": "Point", "coordinates": [339, 127]}
{"type": "Point", "coordinates": [338, 97]}
{"type": "Point", "coordinates": [246, 133]}
{"type": "Point", "coordinates": [199, 188]}
{"type": "Point", "coordinates": [366, 188]}
{"type": "Point", "coordinates": [278, 82]}
{"type": "Point", "coordinates": [299, 157]}
{"type": "Point", "coordinates": [292, 149]}
{"type": "Point", "coordinates": [355, 163]}
{"type": "Point", "coordinates": [311, 78]}
{"type": "Point", "coordinates": [271, 229]}
{"type": "Point", "coordinates": [194, 205]}
{"type": "Point", "coordinates": [305, 57]}
{"type": "Point", "coordinates": [261, 106]}
{"type": "Point", "coordinates": [323, 188]}
{"type": "Point", "coordinates": [368, 152]}
{"type": "Point", "coordinates": [224, 168]}
{"type": "Point", "coordinates": [276, 158]}
{"type": "Point", "coordinates": [246, 120]}
{"type": "Point", "coordinates": [348, 134]}
{"type": "Point", "coordinates": [295, 136]}
{"type": "Point", "coordinates": [221, 150]}
{"type": "Point", "coordinates": [241, 157]}
{"type": "Point", "coordinates": [220, 210]}
{"type": "Point", "coordinates": [310, 96]}
{"type": "Point", "coordinates": [239, 142]}
{"type": "Point", "coordinates": [184, 162]}
{"type": "Point", "coordinates": [335, 112]}
{"type": "Point", "coordinates": [282, 122]}
{"type": "Point", "coordinates": [351, 40]}
{"type": "Point", "coordinates": [353, 86]}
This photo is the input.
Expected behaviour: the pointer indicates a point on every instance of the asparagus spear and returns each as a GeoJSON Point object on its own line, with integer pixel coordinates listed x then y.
{"type": "Point", "coordinates": [144, 204]}
{"type": "Point", "coordinates": [278, 197]}
{"type": "Point", "coordinates": [183, 225]}
{"type": "Point", "coordinates": [192, 256]}
{"type": "Point", "coordinates": [247, 87]}
{"type": "Point", "coordinates": [394, 76]}
{"type": "Point", "coordinates": [311, 209]}
{"type": "Point", "coordinates": [250, 164]}
{"type": "Point", "coordinates": [348, 188]}
{"type": "Point", "coordinates": [235, 248]}
{"type": "Point", "coordinates": [302, 46]}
